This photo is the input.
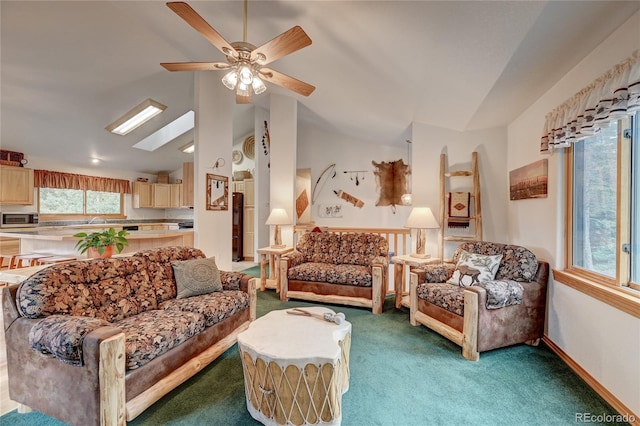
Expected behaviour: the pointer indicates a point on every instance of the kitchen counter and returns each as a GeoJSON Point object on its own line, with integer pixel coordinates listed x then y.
{"type": "Point", "coordinates": [61, 241]}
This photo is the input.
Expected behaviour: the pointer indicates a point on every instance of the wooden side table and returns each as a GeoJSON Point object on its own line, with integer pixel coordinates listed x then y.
{"type": "Point", "coordinates": [271, 256]}
{"type": "Point", "coordinates": [401, 264]}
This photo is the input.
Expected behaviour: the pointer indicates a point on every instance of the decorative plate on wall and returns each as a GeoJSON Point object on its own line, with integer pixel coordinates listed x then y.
{"type": "Point", "coordinates": [248, 147]}
{"type": "Point", "coordinates": [236, 157]}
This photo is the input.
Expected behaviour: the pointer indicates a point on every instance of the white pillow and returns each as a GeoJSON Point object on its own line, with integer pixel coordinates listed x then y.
{"type": "Point", "coordinates": [473, 268]}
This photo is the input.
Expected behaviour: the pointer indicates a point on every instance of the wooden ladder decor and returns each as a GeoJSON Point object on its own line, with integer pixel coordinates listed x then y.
{"type": "Point", "coordinates": [475, 214]}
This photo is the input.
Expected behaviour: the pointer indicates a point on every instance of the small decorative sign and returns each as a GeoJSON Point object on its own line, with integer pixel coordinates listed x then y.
{"type": "Point", "coordinates": [330, 210]}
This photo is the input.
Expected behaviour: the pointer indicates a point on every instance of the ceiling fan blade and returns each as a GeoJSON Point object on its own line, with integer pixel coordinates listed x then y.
{"type": "Point", "coordinates": [199, 24]}
{"type": "Point", "coordinates": [288, 42]}
{"type": "Point", "coordinates": [195, 66]}
{"type": "Point", "coordinates": [243, 99]}
{"type": "Point", "coordinates": [286, 81]}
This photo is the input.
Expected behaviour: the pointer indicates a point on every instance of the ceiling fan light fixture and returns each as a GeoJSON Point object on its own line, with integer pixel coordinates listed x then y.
{"type": "Point", "coordinates": [245, 74]}
{"type": "Point", "coordinates": [243, 90]}
{"type": "Point", "coordinates": [258, 85]}
{"type": "Point", "coordinates": [230, 79]}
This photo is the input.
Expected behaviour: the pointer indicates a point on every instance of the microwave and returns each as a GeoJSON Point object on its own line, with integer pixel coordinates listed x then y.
{"type": "Point", "coordinates": [18, 220]}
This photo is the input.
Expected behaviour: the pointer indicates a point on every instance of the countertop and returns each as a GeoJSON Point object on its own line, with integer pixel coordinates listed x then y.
{"type": "Point", "coordinates": [66, 234]}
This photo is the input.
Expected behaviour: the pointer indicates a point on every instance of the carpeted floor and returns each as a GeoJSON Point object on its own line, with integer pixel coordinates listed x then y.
{"type": "Point", "coordinates": [400, 375]}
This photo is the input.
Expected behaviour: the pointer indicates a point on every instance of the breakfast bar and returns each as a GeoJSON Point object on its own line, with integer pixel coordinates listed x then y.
{"type": "Point", "coordinates": [62, 241]}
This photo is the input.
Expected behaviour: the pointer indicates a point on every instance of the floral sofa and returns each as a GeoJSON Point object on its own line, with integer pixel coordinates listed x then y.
{"type": "Point", "coordinates": [98, 341]}
{"type": "Point", "coordinates": [492, 295]}
{"type": "Point", "coordinates": [349, 269]}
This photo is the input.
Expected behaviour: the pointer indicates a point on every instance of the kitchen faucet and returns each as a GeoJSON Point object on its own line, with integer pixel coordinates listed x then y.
{"type": "Point", "coordinates": [90, 221]}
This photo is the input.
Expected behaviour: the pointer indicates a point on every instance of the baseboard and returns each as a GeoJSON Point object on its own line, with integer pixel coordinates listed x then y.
{"type": "Point", "coordinates": [619, 406]}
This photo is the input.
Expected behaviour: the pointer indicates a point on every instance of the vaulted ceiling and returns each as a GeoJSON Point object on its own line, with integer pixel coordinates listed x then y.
{"type": "Point", "coordinates": [68, 69]}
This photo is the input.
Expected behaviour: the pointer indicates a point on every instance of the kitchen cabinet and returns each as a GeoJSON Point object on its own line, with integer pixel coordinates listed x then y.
{"type": "Point", "coordinates": [161, 195]}
{"type": "Point", "coordinates": [176, 196]}
{"type": "Point", "coordinates": [157, 195]}
{"type": "Point", "coordinates": [142, 195]}
{"type": "Point", "coordinates": [16, 185]}
{"type": "Point", "coordinates": [187, 184]}
{"type": "Point", "coordinates": [237, 186]}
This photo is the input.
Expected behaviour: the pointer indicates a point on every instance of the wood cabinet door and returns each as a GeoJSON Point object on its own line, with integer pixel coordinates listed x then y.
{"type": "Point", "coordinates": [249, 193]}
{"type": "Point", "coordinates": [161, 195]}
{"type": "Point", "coordinates": [142, 195]}
{"type": "Point", "coordinates": [249, 233]}
{"type": "Point", "coordinates": [176, 195]}
{"type": "Point", "coordinates": [16, 185]}
{"type": "Point", "coordinates": [187, 184]}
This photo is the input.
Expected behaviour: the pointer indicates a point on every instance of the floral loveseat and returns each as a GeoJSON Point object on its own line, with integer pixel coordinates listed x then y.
{"type": "Point", "coordinates": [492, 295]}
{"type": "Point", "coordinates": [349, 269]}
{"type": "Point", "coordinates": [98, 341]}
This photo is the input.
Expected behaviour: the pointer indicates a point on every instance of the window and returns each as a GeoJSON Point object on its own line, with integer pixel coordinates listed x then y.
{"type": "Point", "coordinates": [604, 187]}
{"type": "Point", "coordinates": [56, 201]}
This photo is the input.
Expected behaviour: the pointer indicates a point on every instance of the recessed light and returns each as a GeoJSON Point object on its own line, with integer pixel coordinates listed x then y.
{"type": "Point", "coordinates": [136, 117]}
{"type": "Point", "coordinates": [95, 160]}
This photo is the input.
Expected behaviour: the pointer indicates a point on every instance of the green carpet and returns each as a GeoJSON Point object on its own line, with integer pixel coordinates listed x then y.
{"type": "Point", "coordinates": [400, 375]}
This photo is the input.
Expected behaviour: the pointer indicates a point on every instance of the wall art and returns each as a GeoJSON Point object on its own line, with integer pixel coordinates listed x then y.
{"type": "Point", "coordinates": [217, 192]}
{"type": "Point", "coordinates": [529, 181]}
{"type": "Point", "coordinates": [330, 210]}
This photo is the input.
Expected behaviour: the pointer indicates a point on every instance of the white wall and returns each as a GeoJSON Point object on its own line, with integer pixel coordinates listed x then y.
{"type": "Point", "coordinates": [601, 339]}
{"type": "Point", "coordinates": [318, 148]}
{"type": "Point", "coordinates": [428, 142]}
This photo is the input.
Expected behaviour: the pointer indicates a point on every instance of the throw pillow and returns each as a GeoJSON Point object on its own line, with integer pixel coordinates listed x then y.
{"type": "Point", "coordinates": [473, 268]}
{"type": "Point", "coordinates": [196, 276]}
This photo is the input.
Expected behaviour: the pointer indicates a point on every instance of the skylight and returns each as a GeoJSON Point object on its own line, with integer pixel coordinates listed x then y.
{"type": "Point", "coordinates": [177, 127]}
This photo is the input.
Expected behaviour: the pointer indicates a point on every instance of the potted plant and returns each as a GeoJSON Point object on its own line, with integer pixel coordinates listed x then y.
{"type": "Point", "coordinates": [101, 244]}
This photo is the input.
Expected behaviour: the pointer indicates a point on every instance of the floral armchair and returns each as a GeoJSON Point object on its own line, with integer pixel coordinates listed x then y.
{"type": "Point", "coordinates": [492, 295]}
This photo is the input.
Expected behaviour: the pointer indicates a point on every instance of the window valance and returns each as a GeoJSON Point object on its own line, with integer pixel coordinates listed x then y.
{"type": "Point", "coordinates": [60, 180]}
{"type": "Point", "coordinates": [610, 97]}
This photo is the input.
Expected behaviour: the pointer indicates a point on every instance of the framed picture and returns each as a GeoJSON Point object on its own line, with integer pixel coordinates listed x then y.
{"type": "Point", "coordinates": [217, 192]}
{"type": "Point", "coordinates": [529, 181]}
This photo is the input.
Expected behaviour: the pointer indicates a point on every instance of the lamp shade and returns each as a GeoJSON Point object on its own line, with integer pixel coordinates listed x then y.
{"type": "Point", "coordinates": [278, 217]}
{"type": "Point", "coordinates": [421, 218]}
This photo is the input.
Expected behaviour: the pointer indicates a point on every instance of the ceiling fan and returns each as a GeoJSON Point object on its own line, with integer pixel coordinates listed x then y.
{"type": "Point", "coordinates": [245, 62]}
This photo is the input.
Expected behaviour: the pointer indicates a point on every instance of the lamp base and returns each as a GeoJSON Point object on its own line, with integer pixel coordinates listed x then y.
{"type": "Point", "coordinates": [278, 246]}
{"type": "Point", "coordinates": [420, 255]}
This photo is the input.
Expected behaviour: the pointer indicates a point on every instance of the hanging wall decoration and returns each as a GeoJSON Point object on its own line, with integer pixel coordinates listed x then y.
{"type": "Point", "coordinates": [330, 210]}
{"type": "Point", "coordinates": [357, 176]}
{"type": "Point", "coordinates": [529, 181]}
{"type": "Point", "coordinates": [248, 147]}
{"type": "Point", "coordinates": [217, 192]}
{"type": "Point", "coordinates": [329, 172]}
{"type": "Point", "coordinates": [349, 198]}
{"type": "Point", "coordinates": [391, 181]}
{"type": "Point", "coordinates": [266, 142]}
{"type": "Point", "coordinates": [303, 188]}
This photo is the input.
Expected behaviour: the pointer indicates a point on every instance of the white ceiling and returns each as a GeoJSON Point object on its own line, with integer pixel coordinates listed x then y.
{"type": "Point", "coordinates": [68, 69]}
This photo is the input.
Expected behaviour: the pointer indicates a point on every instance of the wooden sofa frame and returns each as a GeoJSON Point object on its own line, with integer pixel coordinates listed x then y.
{"type": "Point", "coordinates": [113, 407]}
{"type": "Point", "coordinates": [474, 297]}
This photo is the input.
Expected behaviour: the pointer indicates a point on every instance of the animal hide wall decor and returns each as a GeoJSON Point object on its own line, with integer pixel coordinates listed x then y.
{"type": "Point", "coordinates": [391, 181]}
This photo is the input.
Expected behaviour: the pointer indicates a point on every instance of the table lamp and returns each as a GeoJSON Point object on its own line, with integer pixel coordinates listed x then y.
{"type": "Point", "coordinates": [421, 218]}
{"type": "Point", "coordinates": [278, 217]}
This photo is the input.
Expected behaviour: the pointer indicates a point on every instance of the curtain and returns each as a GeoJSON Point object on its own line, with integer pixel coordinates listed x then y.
{"type": "Point", "coordinates": [610, 97]}
{"type": "Point", "coordinates": [50, 179]}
